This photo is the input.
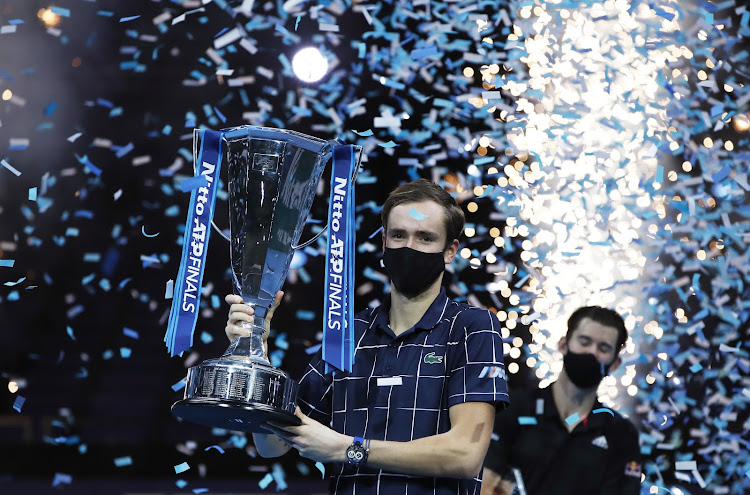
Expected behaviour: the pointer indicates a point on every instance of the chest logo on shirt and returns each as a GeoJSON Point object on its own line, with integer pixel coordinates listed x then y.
{"type": "Point", "coordinates": [601, 442]}
{"type": "Point", "coordinates": [431, 358]}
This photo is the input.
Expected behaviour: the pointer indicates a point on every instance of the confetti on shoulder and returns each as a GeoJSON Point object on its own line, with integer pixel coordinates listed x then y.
{"type": "Point", "coordinates": [603, 410]}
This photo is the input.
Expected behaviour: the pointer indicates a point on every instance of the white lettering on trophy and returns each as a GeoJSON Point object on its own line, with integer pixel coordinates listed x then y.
{"type": "Point", "coordinates": [335, 279]}
{"type": "Point", "coordinates": [197, 243]}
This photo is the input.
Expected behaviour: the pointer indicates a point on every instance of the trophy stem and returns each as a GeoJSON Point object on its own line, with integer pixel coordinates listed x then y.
{"type": "Point", "coordinates": [250, 347]}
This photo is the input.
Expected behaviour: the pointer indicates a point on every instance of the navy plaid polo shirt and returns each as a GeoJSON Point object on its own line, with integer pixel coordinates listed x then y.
{"type": "Point", "coordinates": [401, 388]}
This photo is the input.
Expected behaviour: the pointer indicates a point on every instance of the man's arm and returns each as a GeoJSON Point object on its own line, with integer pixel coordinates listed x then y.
{"type": "Point", "coordinates": [457, 453]}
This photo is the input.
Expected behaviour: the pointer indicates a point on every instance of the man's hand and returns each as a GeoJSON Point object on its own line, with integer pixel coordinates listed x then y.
{"type": "Point", "coordinates": [239, 312]}
{"type": "Point", "coordinates": [493, 484]}
{"type": "Point", "coordinates": [314, 440]}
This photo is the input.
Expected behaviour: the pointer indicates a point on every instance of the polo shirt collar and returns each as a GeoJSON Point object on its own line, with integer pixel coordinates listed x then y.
{"type": "Point", "coordinates": [429, 320]}
{"type": "Point", "coordinates": [550, 411]}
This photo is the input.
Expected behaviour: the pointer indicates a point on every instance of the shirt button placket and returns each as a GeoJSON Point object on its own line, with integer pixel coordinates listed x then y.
{"type": "Point", "coordinates": [391, 356]}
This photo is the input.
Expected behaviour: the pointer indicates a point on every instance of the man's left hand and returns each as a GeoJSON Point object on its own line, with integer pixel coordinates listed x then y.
{"type": "Point", "coordinates": [313, 440]}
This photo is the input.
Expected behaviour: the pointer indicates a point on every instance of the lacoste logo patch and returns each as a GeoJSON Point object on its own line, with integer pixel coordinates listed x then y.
{"type": "Point", "coordinates": [431, 358]}
{"type": "Point", "coordinates": [600, 441]}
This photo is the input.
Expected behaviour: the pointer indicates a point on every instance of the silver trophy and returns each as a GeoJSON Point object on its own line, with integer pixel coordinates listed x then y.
{"type": "Point", "coordinates": [273, 175]}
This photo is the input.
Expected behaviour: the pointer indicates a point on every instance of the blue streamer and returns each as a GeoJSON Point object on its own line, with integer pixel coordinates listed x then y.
{"type": "Point", "coordinates": [338, 331]}
{"type": "Point", "coordinates": [186, 299]}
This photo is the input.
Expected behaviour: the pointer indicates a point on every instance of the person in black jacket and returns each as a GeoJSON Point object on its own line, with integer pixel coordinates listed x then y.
{"type": "Point", "coordinates": [560, 440]}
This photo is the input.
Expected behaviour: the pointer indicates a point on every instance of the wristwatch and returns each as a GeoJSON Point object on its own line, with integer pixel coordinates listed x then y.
{"type": "Point", "coordinates": [357, 452]}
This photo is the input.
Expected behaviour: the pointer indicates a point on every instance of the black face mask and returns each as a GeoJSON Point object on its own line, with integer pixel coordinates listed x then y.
{"type": "Point", "coordinates": [412, 271]}
{"type": "Point", "coordinates": [584, 370]}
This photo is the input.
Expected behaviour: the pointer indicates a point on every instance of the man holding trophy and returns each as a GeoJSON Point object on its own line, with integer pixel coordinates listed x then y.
{"type": "Point", "coordinates": [416, 412]}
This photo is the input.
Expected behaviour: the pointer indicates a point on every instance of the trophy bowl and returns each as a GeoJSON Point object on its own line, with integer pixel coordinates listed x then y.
{"type": "Point", "coordinates": [273, 175]}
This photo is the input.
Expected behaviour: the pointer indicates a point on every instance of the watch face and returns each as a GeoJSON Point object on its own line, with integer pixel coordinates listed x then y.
{"type": "Point", "coordinates": [355, 454]}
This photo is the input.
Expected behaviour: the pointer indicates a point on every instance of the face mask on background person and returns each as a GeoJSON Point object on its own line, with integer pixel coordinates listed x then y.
{"type": "Point", "coordinates": [412, 271]}
{"type": "Point", "coordinates": [584, 370]}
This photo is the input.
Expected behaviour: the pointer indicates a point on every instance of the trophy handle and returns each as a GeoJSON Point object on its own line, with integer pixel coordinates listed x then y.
{"type": "Point", "coordinates": [219, 231]}
{"type": "Point", "coordinates": [358, 150]}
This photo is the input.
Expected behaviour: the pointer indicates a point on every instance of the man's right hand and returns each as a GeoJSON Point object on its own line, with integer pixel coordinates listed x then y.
{"type": "Point", "coordinates": [239, 311]}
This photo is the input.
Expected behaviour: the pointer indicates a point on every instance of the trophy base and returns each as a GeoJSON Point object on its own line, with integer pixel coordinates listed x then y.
{"type": "Point", "coordinates": [231, 415]}
{"type": "Point", "coordinates": [237, 393]}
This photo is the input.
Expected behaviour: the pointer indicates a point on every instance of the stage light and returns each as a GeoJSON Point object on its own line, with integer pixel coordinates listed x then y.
{"type": "Point", "coordinates": [309, 64]}
{"type": "Point", "coordinates": [49, 18]}
{"type": "Point", "coordinates": [7, 95]}
{"type": "Point", "coordinates": [741, 122]}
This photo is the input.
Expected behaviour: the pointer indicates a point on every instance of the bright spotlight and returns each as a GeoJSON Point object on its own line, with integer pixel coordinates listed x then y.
{"type": "Point", "coordinates": [49, 18]}
{"type": "Point", "coordinates": [309, 64]}
{"type": "Point", "coordinates": [741, 122]}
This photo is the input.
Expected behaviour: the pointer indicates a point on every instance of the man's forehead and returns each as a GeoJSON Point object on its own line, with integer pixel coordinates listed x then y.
{"type": "Point", "coordinates": [424, 215]}
{"type": "Point", "coordinates": [595, 330]}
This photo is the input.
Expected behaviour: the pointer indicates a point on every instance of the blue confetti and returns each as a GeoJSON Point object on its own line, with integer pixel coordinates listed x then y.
{"type": "Point", "coordinates": [305, 315]}
{"type": "Point", "coordinates": [181, 468]}
{"type": "Point", "coordinates": [123, 461]}
{"type": "Point", "coordinates": [572, 419]}
{"type": "Point", "coordinates": [18, 403]}
{"type": "Point", "coordinates": [11, 284]}
{"type": "Point", "coordinates": [61, 478]}
{"type": "Point", "coordinates": [265, 481]}
{"type": "Point", "coordinates": [192, 183]}
{"type": "Point", "coordinates": [215, 447]}
{"type": "Point", "coordinates": [388, 144]}
{"type": "Point", "coordinates": [417, 215]}
{"type": "Point", "coordinates": [603, 410]}
{"type": "Point", "coordinates": [60, 11]}
{"type": "Point", "coordinates": [129, 332]}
